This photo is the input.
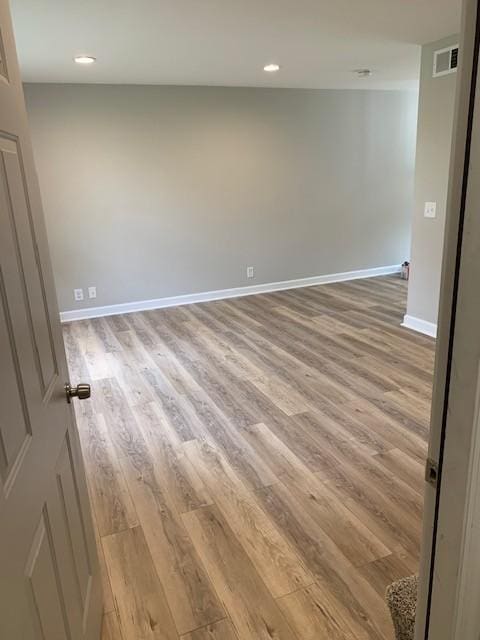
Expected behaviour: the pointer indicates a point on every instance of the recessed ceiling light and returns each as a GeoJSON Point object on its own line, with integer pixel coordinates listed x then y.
{"type": "Point", "coordinates": [84, 59]}
{"type": "Point", "coordinates": [363, 73]}
{"type": "Point", "coordinates": [271, 68]}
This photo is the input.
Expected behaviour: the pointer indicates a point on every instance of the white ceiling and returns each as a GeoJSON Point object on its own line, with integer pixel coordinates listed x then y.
{"type": "Point", "coordinates": [227, 42]}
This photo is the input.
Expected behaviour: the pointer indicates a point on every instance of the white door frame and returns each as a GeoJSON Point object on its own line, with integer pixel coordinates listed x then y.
{"type": "Point", "coordinates": [449, 594]}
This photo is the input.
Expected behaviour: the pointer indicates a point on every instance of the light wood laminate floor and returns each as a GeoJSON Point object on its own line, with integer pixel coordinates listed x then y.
{"type": "Point", "coordinates": [256, 465]}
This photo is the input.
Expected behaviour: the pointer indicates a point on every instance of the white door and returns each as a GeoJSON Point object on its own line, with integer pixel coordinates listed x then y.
{"type": "Point", "coordinates": [49, 577]}
{"type": "Point", "coordinates": [450, 573]}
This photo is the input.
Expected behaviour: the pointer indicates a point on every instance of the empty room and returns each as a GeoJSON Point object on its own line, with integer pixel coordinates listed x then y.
{"type": "Point", "coordinates": [220, 334]}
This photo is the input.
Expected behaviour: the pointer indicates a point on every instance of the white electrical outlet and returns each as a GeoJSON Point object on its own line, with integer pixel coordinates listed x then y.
{"type": "Point", "coordinates": [78, 294]}
{"type": "Point", "coordinates": [92, 292]}
{"type": "Point", "coordinates": [250, 272]}
{"type": "Point", "coordinates": [430, 210]}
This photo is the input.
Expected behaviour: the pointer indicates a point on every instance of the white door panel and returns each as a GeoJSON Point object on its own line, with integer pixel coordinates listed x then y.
{"type": "Point", "coordinates": [49, 577]}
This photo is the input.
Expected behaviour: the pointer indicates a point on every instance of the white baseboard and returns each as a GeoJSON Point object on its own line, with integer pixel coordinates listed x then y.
{"type": "Point", "coordinates": [422, 326]}
{"type": "Point", "coordinates": [190, 298]}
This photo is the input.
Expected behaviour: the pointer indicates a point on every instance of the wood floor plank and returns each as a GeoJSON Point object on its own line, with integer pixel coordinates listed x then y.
{"type": "Point", "coordinates": [118, 323]}
{"type": "Point", "coordinates": [392, 377]}
{"type": "Point", "coordinates": [340, 451]}
{"type": "Point", "coordinates": [139, 597]}
{"type": "Point", "coordinates": [390, 428]}
{"type": "Point", "coordinates": [285, 398]}
{"type": "Point", "coordinates": [107, 338]}
{"type": "Point", "coordinates": [249, 604]}
{"type": "Point", "coordinates": [177, 476]}
{"type": "Point", "coordinates": [175, 409]}
{"type": "Point", "coordinates": [354, 540]}
{"type": "Point", "coordinates": [282, 459]}
{"type": "Point", "coordinates": [256, 464]}
{"type": "Point", "coordinates": [281, 569]}
{"type": "Point", "coordinates": [370, 439]}
{"type": "Point", "coordinates": [375, 511]}
{"type": "Point", "coordinates": [188, 590]}
{"type": "Point", "coordinates": [77, 365]}
{"type": "Point", "coordinates": [126, 365]}
{"type": "Point", "coordinates": [384, 571]}
{"type": "Point", "coordinates": [111, 627]}
{"type": "Point", "coordinates": [252, 469]}
{"type": "Point", "coordinates": [312, 617]}
{"type": "Point", "coordinates": [399, 343]}
{"type": "Point", "coordinates": [92, 350]}
{"type": "Point", "coordinates": [340, 583]}
{"type": "Point", "coordinates": [401, 465]}
{"type": "Point", "coordinates": [241, 366]}
{"type": "Point", "coordinates": [112, 503]}
{"type": "Point", "coordinates": [222, 630]}
{"type": "Point", "coordinates": [108, 602]}
{"type": "Point", "coordinates": [122, 427]}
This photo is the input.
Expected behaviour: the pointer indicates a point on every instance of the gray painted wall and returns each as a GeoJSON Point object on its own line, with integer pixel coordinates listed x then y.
{"type": "Point", "coordinates": [159, 191]}
{"type": "Point", "coordinates": [434, 138]}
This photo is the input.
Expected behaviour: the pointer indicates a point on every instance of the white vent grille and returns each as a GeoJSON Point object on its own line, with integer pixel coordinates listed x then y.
{"type": "Point", "coordinates": [445, 61]}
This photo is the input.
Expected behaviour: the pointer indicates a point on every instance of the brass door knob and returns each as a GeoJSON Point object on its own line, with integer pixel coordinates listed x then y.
{"type": "Point", "coordinates": [81, 391]}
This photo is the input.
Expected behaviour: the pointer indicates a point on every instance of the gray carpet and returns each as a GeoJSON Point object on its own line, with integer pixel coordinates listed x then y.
{"type": "Point", "coordinates": [402, 602]}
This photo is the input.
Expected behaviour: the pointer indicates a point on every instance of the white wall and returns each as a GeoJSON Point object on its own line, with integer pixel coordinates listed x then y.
{"type": "Point", "coordinates": [434, 139]}
{"type": "Point", "coordinates": [160, 191]}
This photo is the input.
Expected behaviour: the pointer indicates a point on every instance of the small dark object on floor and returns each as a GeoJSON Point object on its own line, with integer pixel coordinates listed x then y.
{"type": "Point", "coordinates": [402, 602]}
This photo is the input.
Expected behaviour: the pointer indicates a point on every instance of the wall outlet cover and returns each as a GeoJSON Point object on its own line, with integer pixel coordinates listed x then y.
{"type": "Point", "coordinates": [430, 210]}
{"type": "Point", "coordinates": [92, 292]}
{"type": "Point", "coordinates": [250, 272]}
{"type": "Point", "coordinates": [78, 294]}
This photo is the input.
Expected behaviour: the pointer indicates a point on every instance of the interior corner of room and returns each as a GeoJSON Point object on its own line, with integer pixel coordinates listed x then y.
{"type": "Point", "coordinates": [432, 168]}
{"type": "Point", "coordinates": [156, 196]}
{"type": "Point", "coordinates": [164, 195]}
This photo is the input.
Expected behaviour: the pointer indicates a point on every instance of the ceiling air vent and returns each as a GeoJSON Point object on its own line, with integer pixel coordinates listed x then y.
{"type": "Point", "coordinates": [445, 61]}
